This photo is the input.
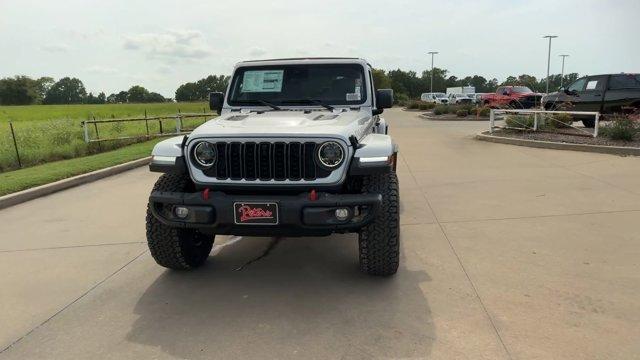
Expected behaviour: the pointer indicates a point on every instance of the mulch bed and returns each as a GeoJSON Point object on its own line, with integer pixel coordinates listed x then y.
{"type": "Point", "coordinates": [565, 137]}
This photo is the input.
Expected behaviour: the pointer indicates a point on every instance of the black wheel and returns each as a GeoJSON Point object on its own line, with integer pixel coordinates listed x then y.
{"type": "Point", "coordinates": [176, 248]}
{"type": "Point", "coordinates": [380, 241]}
{"type": "Point", "coordinates": [589, 123]}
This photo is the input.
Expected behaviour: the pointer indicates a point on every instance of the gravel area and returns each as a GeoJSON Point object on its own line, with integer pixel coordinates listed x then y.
{"type": "Point", "coordinates": [564, 137]}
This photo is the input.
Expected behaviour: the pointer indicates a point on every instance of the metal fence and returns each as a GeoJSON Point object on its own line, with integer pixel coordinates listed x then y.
{"type": "Point", "coordinates": [540, 118]}
{"type": "Point", "coordinates": [178, 118]}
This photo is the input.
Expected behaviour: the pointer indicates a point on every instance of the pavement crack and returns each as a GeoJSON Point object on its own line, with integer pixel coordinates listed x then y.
{"type": "Point", "coordinates": [272, 244]}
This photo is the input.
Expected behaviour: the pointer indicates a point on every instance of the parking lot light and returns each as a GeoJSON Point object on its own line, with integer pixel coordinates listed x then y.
{"type": "Point", "coordinates": [562, 73]}
{"type": "Point", "coordinates": [549, 58]}
{"type": "Point", "coordinates": [432, 54]}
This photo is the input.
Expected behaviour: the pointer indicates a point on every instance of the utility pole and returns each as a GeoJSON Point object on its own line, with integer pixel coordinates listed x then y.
{"type": "Point", "coordinates": [562, 73]}
{"type": "Point", "coordinates": [549, 57]}
{"type": "Point", "coordinates": [432, 54]}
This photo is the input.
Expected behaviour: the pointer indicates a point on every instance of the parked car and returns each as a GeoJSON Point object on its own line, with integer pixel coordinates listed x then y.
{"type": "Point", "coordinates": [459, 99]}
{"type": "Point", "coordinates": [517, 97]}
{"type": "Point", "coordinates": [436, 98]}
{"type": "Point", "coordinates": [300, 149]}
{"type": "Point", "coordinates": [606, 94]}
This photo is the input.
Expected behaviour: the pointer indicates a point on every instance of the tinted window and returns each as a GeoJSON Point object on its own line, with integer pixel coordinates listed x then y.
{"type": "Point", "coordinates": [337, 84]}
{"type": "Point", "coordinates": [521, 89]}
{"type": "Point", "coordinates": [624, 81]}
{"type": "Point", "coordinates": [595, 83]}
{"type": "Point", "coordinates": [577, 85]}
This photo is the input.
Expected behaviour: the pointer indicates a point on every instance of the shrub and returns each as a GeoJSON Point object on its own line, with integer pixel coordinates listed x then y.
{"type": "Point", "coordinates": [621, 128]}
{"type": "Point", "coordinates": [413, 105]}
{"type": "Point", "coordinates": [559, 121]}
{"type": "Point", "coordinates": [520, 121]}
{"type": "Point", "coordinates": [484, 111]}
{"type": "Point", "coordinates": [401, 99]}
{"type": "Point", "coordinates": [426, 105]}
{"type": "Point", "coordinates": [441, 109]}
{"type": "Point", "coordinates": [462, 113]}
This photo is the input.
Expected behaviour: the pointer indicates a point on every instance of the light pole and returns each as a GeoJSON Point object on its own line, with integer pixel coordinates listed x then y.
{"type": "Point", "coordinates": [432, 54]}
{"type": "Point", "coordinates": [562, 73]}
{"type": "Point", "coordinates": [549, 58]}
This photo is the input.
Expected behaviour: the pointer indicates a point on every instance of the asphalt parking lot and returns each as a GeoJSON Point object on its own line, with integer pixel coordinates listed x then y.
{"type": "Point", "coordinates": [507, 253]}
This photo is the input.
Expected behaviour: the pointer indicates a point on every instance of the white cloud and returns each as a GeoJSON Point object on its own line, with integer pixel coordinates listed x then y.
{"type": "Point", "coordinates": [56, 48]}
{"type": "Point", "coordinates": [257, 51]}
{"type": "Point", "coordinates": [97, 69]}
{"type": "Point", "coordinates": [171, 45]}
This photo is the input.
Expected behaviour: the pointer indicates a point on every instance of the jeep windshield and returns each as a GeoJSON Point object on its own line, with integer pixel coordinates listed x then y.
{"type": "Point", "coordinates": [298, 85]}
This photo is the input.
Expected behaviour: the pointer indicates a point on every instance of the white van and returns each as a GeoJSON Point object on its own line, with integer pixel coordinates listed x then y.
{"type": "Point", "coordinates": [436, 98]}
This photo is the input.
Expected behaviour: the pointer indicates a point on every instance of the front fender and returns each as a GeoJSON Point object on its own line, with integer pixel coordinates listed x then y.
{"type": "Point", "coordinates": [376, 153]}
{"type": "Point", "coordinates": [167, 156]}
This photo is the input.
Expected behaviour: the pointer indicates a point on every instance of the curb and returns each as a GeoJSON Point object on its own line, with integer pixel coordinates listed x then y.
{"type": "Point", "coordinates": [47, 189]}
{"type": "Point", "coordinates": [602, 149]}
{"type": "Point", "coordinates": [455, 118]}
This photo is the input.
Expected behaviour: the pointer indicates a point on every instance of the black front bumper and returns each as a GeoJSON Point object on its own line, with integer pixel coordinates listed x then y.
{"type": "Point", "coordinates": [298, 215]}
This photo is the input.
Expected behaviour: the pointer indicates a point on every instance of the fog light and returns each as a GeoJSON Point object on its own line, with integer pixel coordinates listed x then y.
{"type": "Point", "coordinates": [342, 214]}
{"type": "Point", "coordinates": [181, 212]}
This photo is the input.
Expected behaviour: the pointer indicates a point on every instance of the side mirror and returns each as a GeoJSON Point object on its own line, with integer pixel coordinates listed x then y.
{"type": "Point", "coordinates": [216, 99]}
{"type": "Point", "coordinates": [384, 98]}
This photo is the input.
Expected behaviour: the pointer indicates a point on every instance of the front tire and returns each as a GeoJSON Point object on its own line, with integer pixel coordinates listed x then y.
{"type": "Point", "coordinates": [176, 248]}
{"type": "Point", "coordinates": [379, 242]}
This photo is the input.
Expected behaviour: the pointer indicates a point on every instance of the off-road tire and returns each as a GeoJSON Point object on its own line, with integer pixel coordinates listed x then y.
{"type": "Point", "coordinates": [171, 247]}
{"type": "Point", "coordinates": [379, 242]}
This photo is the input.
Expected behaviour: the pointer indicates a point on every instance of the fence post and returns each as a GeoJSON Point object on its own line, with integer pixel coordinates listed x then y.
{"type": "Point", "coordinates": [178, 121]}
{"type": "Point", "coordinates": [492, 118]}
{"type": "Point", "coordinates": [146, 122]}
{"type": "Point", "coordinates": [595, 129]}
{"type": "Point", "coordinates": [15, 144]}
{"type": "Point", "coordinates": [86, 131]}
{"type": "Point", "coordinates": [535, 121]}
{"type": "Point", "coordinates": [160, 123]}
{"type": "Point", "coordinates": [95, 124]}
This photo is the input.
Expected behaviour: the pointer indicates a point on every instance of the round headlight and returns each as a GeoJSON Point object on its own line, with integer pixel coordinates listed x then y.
{"type": "Point", "coordinates": [204, 153]}
{"type": "Point", "coordinates": [330, 154]}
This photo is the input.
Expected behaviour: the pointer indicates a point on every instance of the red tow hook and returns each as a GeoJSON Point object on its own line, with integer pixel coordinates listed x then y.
{"type": "Point", "coordinates": [313, 195]}
{"type": "Point", "coordinates": [205, 194]}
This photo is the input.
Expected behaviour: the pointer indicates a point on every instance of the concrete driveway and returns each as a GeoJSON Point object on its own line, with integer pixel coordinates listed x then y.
{"type": "Point", "coordinates": [507, 253]}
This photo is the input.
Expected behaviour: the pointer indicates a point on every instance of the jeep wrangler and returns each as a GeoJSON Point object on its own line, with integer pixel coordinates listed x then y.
{"type": "Point", "coordinates": [299, 149]}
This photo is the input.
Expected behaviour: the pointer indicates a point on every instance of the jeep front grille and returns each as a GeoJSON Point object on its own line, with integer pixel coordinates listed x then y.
{"type": "Point", "coordinates": [266, 161]}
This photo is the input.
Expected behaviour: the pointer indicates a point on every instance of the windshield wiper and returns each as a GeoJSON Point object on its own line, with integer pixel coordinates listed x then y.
{"type": "Point", "coordinates": [261, 102]}
{"type": "Point", "coordinates": [309, 101]}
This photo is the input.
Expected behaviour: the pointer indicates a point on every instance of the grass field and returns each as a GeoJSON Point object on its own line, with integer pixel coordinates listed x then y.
{"type": "Point", "coordinates": [46, 133]}
{"type": "Point", "coordinates": [13, 181]}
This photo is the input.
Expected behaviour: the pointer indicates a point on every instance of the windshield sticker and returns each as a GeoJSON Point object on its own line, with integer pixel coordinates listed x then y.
{"type": "Point", "coordinates": [262, 81]}
{"type": "Point", "coordinates": [353, 96]}
{"type": "Point", "coordinates": [592, 84]}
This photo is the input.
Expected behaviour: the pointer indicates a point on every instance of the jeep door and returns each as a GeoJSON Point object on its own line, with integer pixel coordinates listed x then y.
{"type": "Point", "coordinates": [592, 94]}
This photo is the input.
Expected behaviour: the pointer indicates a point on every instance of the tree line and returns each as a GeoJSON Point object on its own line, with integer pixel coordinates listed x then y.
{"type": "Point", "coordinates": [23, 90]}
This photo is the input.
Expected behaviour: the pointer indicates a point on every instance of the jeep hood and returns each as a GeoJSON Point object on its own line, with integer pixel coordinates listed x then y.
{"type": "Point", "coordinates": [286, 123]}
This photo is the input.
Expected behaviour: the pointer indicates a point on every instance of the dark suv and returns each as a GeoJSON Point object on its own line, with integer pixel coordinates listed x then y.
{"type": "Point", "coordinates": [607, 94]}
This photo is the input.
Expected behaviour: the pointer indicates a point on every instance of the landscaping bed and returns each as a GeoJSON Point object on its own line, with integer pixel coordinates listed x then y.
{"type": "Point", "coordinates": [570, 135]}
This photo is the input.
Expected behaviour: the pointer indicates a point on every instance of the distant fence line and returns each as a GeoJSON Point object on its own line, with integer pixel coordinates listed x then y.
{"type": "Point", "coordinates": [50, 140]}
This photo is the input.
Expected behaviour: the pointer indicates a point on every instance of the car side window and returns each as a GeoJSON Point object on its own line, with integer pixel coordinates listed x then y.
{"type": "Point", "coordinates": [500, 90]}
{"type": "Point", "coordinates": [577, 85]}
{"type": "Point", "coordinates": [624, 81]}
{"type": "Point", "coordinates": [595, 83]}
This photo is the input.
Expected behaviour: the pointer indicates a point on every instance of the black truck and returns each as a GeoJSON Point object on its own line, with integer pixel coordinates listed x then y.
{"type": "Point", "coordinates": [607, 94]}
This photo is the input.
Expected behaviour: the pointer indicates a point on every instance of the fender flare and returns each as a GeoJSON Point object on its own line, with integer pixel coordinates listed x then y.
{"type": "Point", "coordinates": [375, 153]}
{"type": "Point", "coordinates": [167, 156]}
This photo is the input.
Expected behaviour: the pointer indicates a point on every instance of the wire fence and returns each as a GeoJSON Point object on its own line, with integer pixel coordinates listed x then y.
{"type": "Point", "coordinates": [28, 143]}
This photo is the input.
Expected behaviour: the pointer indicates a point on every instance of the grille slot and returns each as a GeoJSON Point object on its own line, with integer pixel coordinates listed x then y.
{"type": "Point", "coordinates": [266, 161]}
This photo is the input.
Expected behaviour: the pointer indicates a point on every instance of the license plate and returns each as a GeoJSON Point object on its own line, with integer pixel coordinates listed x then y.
{"type": "Point", "coordinates": [255, 213]}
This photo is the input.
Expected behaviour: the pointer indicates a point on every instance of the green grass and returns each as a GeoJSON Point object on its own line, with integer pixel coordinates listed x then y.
{"type": "Point", "coordinates": [43, 174]}
{"type": "Point", "coordinates": [46, 133]}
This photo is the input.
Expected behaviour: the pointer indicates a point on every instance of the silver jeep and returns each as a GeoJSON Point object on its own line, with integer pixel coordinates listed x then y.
{"type": "Point", "coordinates": [300, 149]}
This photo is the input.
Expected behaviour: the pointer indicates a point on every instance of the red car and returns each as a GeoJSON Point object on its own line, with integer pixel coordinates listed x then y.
{"type": "Point", "coordinates": [516, 97]}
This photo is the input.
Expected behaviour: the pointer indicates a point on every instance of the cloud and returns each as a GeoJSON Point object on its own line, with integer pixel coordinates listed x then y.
{"type": "Point", "coordinates": [257, 51]}
{"type": "Point", "coordinates": [97, 69]}
{"type": "Point", "coordinates": [171, 45]}
{"type": "Point", "coordinates": [56, 48]}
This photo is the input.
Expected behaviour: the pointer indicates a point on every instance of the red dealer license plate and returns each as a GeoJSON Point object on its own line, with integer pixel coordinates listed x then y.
{"type": "Point", "coordinates": [254, 213]}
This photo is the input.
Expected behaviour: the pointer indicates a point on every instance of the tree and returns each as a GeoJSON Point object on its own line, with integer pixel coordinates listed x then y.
{"type": "Point", "coordinates": [19, 90]}
{"type": "Point", "coordinates": [137, 94]}
{"type": "Point", "coordinates": [154, 97]}
{"type": "Point", "coordinates": [66, 91]}
{"type": "Point", "coordinates": [199, 90]}
{"type": "Point", "coordinates": [101, 99]}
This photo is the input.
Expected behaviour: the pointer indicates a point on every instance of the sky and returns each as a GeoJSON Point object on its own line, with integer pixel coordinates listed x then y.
{"type": "Point", "coordinates": [114, 44]}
